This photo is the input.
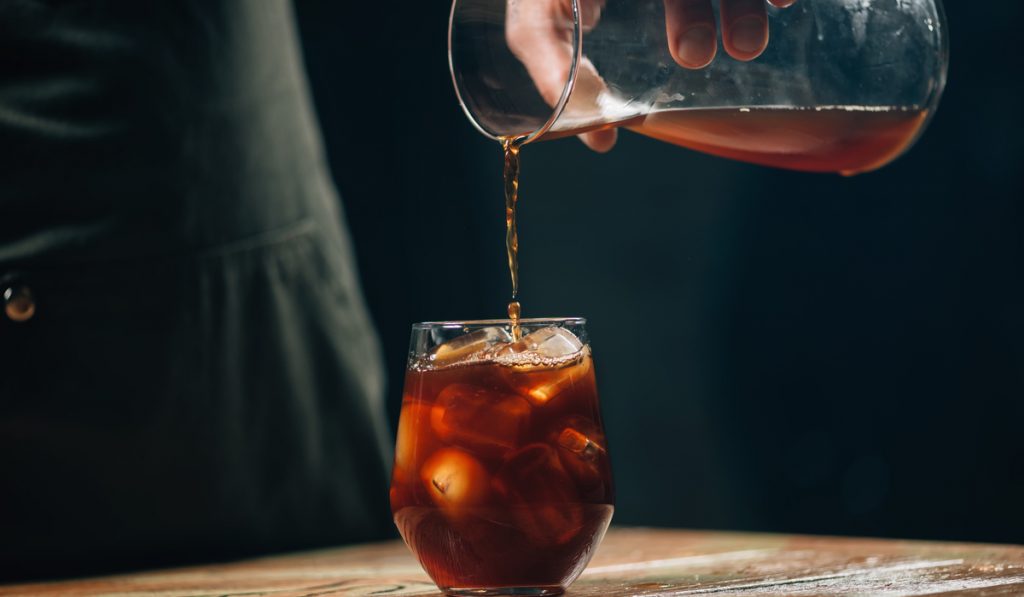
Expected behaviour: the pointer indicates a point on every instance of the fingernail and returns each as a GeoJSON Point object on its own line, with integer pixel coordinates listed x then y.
{"type": "Point", "coordinates": [697, 46]}
{"type": "Point", "coordinates": [749, 35]}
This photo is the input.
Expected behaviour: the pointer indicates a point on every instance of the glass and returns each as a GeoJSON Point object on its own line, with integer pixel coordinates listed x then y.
{"type": "Point", "coordinates": [501, 483]}
{"type": "Point", "coordinates": [844, 85]}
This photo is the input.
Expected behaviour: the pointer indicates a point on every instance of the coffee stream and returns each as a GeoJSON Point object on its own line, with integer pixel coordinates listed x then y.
{"type": "Point", "coordinates": [511, 146]}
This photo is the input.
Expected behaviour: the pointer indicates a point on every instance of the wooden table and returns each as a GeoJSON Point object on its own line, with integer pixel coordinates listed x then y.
{"type": "Point", "coordinates": [630, 562]}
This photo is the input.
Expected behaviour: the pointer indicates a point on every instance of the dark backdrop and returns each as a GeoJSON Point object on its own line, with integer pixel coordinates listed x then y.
{"type": "Point", "coordinates": [776, 351]}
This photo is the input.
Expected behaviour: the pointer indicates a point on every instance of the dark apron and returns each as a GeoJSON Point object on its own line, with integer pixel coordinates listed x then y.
{"type": "Point", "coordinates": [187, 369]}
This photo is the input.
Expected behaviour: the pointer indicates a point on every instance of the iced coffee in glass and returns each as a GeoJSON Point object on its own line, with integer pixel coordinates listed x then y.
{"type": "Point", "coordinates": [501, 483]}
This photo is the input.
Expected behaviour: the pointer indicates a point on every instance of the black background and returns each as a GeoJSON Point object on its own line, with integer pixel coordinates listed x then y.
{"type": "Point", "coordinates": [776, 351]}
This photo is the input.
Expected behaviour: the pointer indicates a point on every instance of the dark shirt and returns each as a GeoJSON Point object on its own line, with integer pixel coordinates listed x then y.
{"type": "Point", "coordinates": [199, 378]}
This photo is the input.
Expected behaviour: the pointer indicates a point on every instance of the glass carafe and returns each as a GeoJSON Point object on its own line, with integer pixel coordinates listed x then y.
{"type": "Point", "coordinates": [843, 86]}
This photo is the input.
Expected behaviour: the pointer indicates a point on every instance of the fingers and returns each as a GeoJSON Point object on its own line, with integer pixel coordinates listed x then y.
{"type": "Point", "coordinates": [590, 12]}
{"type": "Point", "coordinates": [600, 141]}
{"type": "Point", "coordinates": [744, 28]}
{"type": "Point", "coordinates": [691, 33]}
{"type": "Point", "coordinates": [690, 27]}
{"type": "Point", "coordinates": [585, 106]}
{"type": "Point", "coordinates": [539, 33]}
{"type": "Point", "coordinates": [589, 83]}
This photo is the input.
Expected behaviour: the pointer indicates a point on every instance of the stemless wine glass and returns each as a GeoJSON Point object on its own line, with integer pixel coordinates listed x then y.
{"type": "Point", "coordinates": [501, 483]}
{"type": "Point", "coordinates": [844, 85]}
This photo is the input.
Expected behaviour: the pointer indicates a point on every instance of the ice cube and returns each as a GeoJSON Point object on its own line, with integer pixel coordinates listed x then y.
{"type": "Point", "coordinates": [454, 478]}
{"type": "Point", "coordinates": [541, 365]}
{"type": "Point", "coordinates": [542, 494]}
{"type": "Point", "coordinates": [415, 439]}
{"type": "Point", "coordinates": [545, 386]}
{"type": "Point", "coordinates": [480, 420]}
{"type": "Point", "coordinates": [550, 343]}
{"type": "Point", "coordinates": [580, 445]}
{"type": "Point", "coordinates": [541, 380]}
{"type": "Point", "coordinates": [441, 542]}
{"type": "Point", "coordinates": [469, 345]}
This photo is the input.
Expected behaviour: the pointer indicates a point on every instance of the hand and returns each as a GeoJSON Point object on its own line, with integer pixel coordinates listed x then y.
{"type": "Point", "coordinates": [539, 33]}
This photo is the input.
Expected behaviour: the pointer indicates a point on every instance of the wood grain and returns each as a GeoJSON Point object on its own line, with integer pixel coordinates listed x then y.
{"type": "Point", "coordinates": [633, 562]}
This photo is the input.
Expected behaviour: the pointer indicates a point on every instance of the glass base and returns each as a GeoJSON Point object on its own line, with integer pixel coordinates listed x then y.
{"type": "Point", "coordinates": [495, 591]}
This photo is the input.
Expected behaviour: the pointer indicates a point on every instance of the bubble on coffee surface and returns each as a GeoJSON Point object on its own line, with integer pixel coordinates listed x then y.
{"type": "Point", "coordinates": [465, 348]}
{"type": "Point", "coordinates": [547, 348]}
{"type": "Point", "coordinates": [544, 348]}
